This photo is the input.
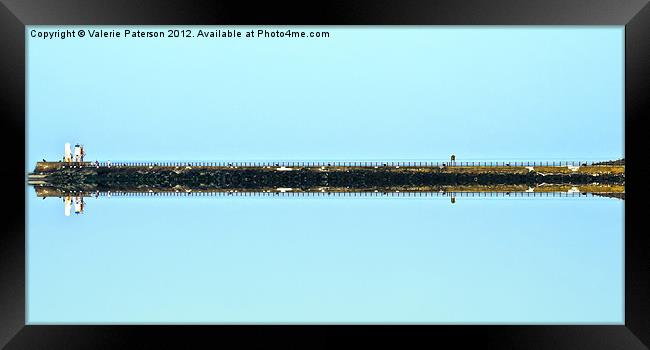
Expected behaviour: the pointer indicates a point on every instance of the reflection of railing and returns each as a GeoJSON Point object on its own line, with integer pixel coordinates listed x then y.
{"type": "Point", "coordinates": [338, 194]}
{"type": "Point", "coordinates": [79, 201]}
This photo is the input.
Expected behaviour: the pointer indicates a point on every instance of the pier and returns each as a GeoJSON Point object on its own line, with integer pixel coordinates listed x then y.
{"type": "Point", "coordinates": [212, 178]}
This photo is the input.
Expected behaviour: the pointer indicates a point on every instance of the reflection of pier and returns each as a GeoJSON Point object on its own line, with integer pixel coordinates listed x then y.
{"type": "Point", "coordinates": [48, 192]}
{"type": "Point", "coordinates": [76, 198]}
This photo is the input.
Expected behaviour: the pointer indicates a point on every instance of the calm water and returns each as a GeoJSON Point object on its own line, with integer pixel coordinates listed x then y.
{"type": "Point", "coordinates": [326, 260]}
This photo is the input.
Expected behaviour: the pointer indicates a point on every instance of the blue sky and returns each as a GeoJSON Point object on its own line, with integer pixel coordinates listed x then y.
{"type": "Point", "coordinates": [390, 93]}
{"type": "Point", "coordinates": [483, 93]}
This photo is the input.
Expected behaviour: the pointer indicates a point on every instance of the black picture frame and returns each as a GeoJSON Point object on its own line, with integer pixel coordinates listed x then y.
{"type": "Point", "coordinates": [635, 15]}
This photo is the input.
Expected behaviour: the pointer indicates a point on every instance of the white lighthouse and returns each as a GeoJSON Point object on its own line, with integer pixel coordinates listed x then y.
{"type": "Point", "coordinates": [74, 156]}
{"type": "Point", "coordinates": [68, 153]}
{"type": "Point", "coordinates": [78, 153]}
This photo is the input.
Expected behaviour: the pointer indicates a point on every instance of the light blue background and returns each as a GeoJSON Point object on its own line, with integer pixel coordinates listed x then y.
{"type": "Point", "coordinates": [220, 259]}
{"type": "Point", "coordinates": [393, 93]}
{"type": "Point", "coordinates": [400, 93]}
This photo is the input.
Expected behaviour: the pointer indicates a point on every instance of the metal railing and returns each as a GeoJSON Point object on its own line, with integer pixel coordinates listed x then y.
{"type": "Point", "coordinates": [366, 164]}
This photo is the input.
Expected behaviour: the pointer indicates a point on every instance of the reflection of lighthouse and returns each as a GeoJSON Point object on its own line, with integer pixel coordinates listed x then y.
{"type": "Point", "coordinates": [67, 205]}
{"type": "Point", "coordinates": [78, 205]}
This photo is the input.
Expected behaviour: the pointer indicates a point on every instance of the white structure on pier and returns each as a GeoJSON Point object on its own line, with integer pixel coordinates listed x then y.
{"type": "Point", "coordinates": [78, 155]}
{"type": "Point", "coordinates": [68, 153]}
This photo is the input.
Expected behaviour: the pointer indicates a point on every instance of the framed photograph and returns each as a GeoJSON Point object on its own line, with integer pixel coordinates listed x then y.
{"type": "Point", "coordinates": [392, 171]}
